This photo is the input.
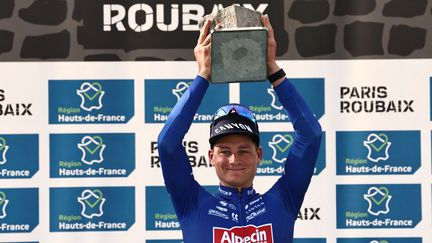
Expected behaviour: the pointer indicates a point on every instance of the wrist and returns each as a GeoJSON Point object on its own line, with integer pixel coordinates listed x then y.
{"type": "Point", "coordinates": [276, 76]}
{"type": "Point", "coordinates": [272, 68]}
{"type": "Point", "coordinates": [205, 75]}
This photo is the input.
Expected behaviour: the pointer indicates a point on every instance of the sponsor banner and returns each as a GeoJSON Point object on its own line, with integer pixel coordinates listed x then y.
{"type": "Point", "coordinates": [19, 210]}
{"type": "Point", "coordinates": [92, 209]}
{"type": "Point", "coordinates": [261, 98]}
{"type": "Point", "coordinates": [158, 109]}
{"type": "Point", "coordinates": [198, 158]}
{"type": "Point", "coordinates": [379, 240]}
{"type": "Point", "coordinates": [378, 152]}
{"type": "Point", "coordinates": [309, 214]}
{"type": "Point", "coordinates": [19, 155]}
{"type": "Point", "coordinates": [160, 214]}
{"type": "Point", "coordinates": [276, 146]}
{"type": "Point", "coordinates": [10, 108]}
{"type": "Point", "coordinates": [373, 100]}
{"type": "Point", "coordinates": [158, 25]}
{"type": "Point", "coordinates": [378, 206]}
{"type": "Point", "coordinates": [92, 155]}
{"type": "Point", "coordinates": [90, 101]}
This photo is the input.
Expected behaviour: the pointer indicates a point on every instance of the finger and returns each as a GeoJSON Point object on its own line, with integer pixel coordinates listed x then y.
{"type": "Point", "coordinates": [207, 41]}
{"type": "Point", "coordinates": [218, 26]}
{"type": "Point", "coordinates": [266, 22]}
{"type": "Point", "coordinates": [204, 31]}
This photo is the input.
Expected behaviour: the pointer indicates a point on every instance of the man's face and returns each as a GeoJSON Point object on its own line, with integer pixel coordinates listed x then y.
{"type": "Point", "coordinates": [235, 158]}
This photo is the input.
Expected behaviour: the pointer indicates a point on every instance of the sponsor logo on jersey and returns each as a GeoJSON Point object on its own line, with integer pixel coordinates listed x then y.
{"type": "Point", "coordinates": [90, 101]}
{"type": "Point", "coordinates": [250, 233]}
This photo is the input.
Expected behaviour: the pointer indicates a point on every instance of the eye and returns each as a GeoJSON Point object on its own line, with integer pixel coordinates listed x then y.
{"type": "Point", "coordinates": [225, 152]}
{"type": "Point", "coordinates": [244, 151]}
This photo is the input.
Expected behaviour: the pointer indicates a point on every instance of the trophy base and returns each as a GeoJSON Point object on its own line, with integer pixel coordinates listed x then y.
{"type": "Point", "coordinates": [239, 55]}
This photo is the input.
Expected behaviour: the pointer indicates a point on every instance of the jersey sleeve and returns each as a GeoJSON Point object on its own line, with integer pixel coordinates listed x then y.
{"type": "Point", "coordinates": [301, 159]}
{"type": "Point", "coordinates": [176, 168]}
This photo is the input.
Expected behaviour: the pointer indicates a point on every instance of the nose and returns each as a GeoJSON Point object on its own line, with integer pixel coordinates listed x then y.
{"type": "Point", "coordinates": [232, 159]}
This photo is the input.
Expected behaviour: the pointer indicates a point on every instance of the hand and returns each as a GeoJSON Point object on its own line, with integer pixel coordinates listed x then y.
{"type": "Point", "coordinates": [272, 67]}
{"type": "Point", "coordinates": [202, 51]}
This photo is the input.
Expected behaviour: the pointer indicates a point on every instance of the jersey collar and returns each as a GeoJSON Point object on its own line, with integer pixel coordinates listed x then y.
{"type": "Point", "coordinates": [224, 191]}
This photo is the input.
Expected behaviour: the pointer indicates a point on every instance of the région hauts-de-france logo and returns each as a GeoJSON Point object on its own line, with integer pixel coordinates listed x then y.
{"type": "Point", "coordinates": [280, 144]}
{"type": "Point", "coordinates": [92, 149]}
{"type": "Point", "coordinates": [3, 203]}
{"type": "Point", "coordinates": [92, 202]}
{"type": "Point", "coordinates": [91, 96]}
{"type": "Point", "coordinates": [378, 200]}
{"type": "Point", "coordinates": [180, 89]}
{"type": "Point", "coordinates": [378, 147]}
{"type": "Point", "coordinates": [3, 149]}
{"type": "Point", "coordinates": [90, 101]}
{"type": "Point", "coordinates": [275, 103]}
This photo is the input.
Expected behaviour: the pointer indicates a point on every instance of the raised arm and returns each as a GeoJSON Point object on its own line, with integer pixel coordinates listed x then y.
{"type": "Point", "coordinates": [176, 167]}
{"type": "Point", "coordinates": [301, 159]}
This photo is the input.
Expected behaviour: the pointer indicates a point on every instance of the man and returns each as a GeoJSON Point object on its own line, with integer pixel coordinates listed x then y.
{"type": "Point", "coordinates": [237, 213]}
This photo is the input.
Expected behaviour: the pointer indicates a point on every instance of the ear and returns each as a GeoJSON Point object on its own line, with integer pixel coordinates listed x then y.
{"type": "Point", "coordinates": [210, 156]}
{"type": "Point", "coordinates": [259, 155]}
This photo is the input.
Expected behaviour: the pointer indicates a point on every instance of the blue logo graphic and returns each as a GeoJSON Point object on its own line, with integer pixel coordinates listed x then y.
{"type": "Point", "coordinates": [378, 206]}
{"type": "Point", "coordinates": [378, 152]}
{"type": "Point", "coordinates": [92, 209]}
{"type": "Point", "coordinates": [160, 214]}
{"type": "Point", "coordinates": [379, 240]}
{"type": "Point", "coordinates": [92, 155]}
{"type": "Point", "coordinates": [19, 155]}
{"type": "Point", "coordinates": [19, 210]}
{"type": "Point", "coordinates": [92, 202]}
{"type": "Point", "coordinates": [89, 101]}
{"type": "Point", "coordinates": [262, 99]}
{"type": "Point", "coordinates": [161, 96]}
{"type": "Point", "coordinates": [276, 146]}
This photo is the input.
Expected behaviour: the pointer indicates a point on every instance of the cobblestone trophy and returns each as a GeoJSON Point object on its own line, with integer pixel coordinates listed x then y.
{"type": "Point", "coordinates": [239, 45]}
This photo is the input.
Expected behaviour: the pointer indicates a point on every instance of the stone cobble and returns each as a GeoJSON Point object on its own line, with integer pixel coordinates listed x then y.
{"type": "Point", "coordinates": [51, 30]}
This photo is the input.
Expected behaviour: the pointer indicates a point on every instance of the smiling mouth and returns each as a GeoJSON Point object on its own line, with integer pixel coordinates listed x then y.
{"type": "Point", "coordinates": [236, 169]}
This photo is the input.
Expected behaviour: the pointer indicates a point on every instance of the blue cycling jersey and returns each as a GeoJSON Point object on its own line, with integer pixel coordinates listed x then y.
{"type": "Point", "coordinates": [230, 215]}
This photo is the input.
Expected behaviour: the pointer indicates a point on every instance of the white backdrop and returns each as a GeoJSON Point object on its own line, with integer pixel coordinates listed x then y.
{"type": "Point", "coordinates": [27, 82]}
